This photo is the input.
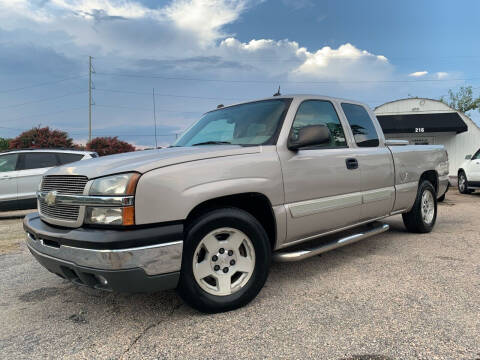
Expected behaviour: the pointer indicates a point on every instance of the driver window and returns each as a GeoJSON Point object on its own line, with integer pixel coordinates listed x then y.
{"type": "Point", "coordinates": [319, 112]}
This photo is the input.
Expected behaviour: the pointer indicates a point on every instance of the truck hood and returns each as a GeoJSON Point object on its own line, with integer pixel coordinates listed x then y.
{"type": "Point", "coordinates": [143, 161]}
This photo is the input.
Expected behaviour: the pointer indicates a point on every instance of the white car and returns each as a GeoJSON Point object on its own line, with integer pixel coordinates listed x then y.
{"type": "Point", "coordinates": [21, 172]}
{"type": "Point", "coordinates": [469, 174]}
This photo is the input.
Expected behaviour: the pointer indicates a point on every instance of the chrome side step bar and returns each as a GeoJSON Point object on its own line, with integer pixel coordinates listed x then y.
{"type": "Point", "coordinates": [285, 256]}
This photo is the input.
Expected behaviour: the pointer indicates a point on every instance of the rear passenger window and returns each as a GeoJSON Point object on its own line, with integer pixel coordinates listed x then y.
{"type": "Point", "coordinates": [8, 162]}
{"type": "Point", "coordinates": [38, 160]}
{"type": "Point", "coordinates": [361, 124]}
{"type": "Point", "coordinates": [66, 158]}
{"type": "Point", "coordinates": [320, 112]}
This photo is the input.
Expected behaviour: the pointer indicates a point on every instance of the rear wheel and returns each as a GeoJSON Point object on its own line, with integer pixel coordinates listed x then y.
{"type": "Point", "coordinates": [421, 218]}
{"type": "Point", "coordinates": [226, 258]}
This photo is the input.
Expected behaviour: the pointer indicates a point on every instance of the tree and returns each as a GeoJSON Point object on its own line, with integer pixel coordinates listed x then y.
{"type": "Point", "coordinates": [109, 145]}
{"type": "Point", "coordinates": [4, 142]}
{"type": "Point", "coordinates": [462, 100]}
{"type": "Point", "coordinates": [41, 138]}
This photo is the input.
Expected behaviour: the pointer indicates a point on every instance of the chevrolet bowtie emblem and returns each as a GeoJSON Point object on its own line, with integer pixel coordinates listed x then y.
{"type": "Point", "coordinates": [51, 198]}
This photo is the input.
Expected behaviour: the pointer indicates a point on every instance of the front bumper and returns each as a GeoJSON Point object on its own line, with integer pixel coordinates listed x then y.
{"type": "Point", "coordinates": [107, 259]}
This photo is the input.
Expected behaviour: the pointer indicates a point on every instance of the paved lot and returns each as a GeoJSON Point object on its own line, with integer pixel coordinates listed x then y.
{"type": "Point", "coordinates": [394, 296]}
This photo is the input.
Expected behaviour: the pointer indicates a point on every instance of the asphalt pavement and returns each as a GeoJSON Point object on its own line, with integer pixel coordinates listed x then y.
{"type": "Point", "coordinates": [393, 296]}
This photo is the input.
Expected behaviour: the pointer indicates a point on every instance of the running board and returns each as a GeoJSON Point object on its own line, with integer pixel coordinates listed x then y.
{"type": "Point", "coordinates": [297, 255]}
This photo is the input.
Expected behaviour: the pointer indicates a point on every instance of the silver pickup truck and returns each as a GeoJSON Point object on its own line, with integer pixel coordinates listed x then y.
{"type": "Point", "coordinates": [281, 178]}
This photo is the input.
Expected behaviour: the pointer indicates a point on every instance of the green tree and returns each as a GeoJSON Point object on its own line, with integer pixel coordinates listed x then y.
{"type": "Point", "coordinates": [462, 100]}
{"type": "Point", "coordinates": [4, 142]}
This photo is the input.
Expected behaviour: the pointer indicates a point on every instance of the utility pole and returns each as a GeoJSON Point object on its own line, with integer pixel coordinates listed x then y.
{"type": "Point", "coordinates": [89, 98]}
{"type": "Point", "coordinates": [155, 118]}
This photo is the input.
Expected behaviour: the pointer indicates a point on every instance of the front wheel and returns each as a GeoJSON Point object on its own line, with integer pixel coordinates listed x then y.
{"type": "Point", "coordinates": [226, 259]}
{"type": "Point", "coordinates": [463, 183]}
{"type": "Point", "coordinates": [421, 218]}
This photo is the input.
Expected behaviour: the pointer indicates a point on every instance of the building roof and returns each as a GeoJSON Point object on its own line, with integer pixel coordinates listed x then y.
{"type": "Point", "coordinates": [410, 123]}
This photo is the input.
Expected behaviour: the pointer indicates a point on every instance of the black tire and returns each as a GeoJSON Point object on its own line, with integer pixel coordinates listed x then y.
{"type": "Point", "coordinates": [441, 198]}
{"type": "Point", "coordinates": [463, 189]}
{"type": "Point", "coordinates": [413, 219]}
{"type": "Point", "coordinates": [188, 288]}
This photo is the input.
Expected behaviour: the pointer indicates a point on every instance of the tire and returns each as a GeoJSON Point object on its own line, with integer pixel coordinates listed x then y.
{"type": "Point", "coordinates": [423, 215]}
{"type": "Point", "coordinates": [441, 198]}
{"type": "Point", "coordinates": [216, 239]}
{"type": "Point", "coordinates": [463, 183]}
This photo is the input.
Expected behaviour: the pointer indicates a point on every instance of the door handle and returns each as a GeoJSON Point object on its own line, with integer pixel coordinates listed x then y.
{"type": "Point", "coordinates": [352, 164]}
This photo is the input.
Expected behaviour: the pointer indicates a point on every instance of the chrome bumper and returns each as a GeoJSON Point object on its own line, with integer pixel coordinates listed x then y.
{"type": "Point", "coordinates": [154, 259]}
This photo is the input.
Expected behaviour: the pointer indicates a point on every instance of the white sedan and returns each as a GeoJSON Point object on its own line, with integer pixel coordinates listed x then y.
{"type": "Point", "coordinates": [469, 174]}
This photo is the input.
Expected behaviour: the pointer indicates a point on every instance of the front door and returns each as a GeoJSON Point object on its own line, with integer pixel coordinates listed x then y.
{"type": "Point", "coordinates": [473, 170]}
{"type": "Point", "coordinates": [321, 182]}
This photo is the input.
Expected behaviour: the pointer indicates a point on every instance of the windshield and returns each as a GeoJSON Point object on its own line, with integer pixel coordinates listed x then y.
{"type": "Point", "coordinates": [255, 123]}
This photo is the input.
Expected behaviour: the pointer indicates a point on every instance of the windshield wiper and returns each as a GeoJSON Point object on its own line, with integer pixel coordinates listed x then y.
{"type": "Point", "coordinates": [212, 143]}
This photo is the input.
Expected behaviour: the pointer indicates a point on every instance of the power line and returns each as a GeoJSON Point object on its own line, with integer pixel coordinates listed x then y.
{"type": "Point", "coordinates": [148, 109]}
{"type": "Point", "coordinates": [165, 95]}
{"type": "Point", "coordinates": [40, 84]}
{"type": "Point", "coordinates": [157, 76]}
{"type": "Point", "coordinates": [46, 114]}
{"type": "Point", "coordinates": [41, 100]}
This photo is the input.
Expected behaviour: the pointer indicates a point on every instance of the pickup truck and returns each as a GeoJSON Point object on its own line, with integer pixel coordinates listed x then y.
{"type": "Point", "coordinates": [282, 178]}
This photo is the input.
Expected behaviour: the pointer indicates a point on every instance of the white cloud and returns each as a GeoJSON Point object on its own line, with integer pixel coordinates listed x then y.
{"type": "Point", "coordinates": [441, 75]}
{"type": "Point", "coordinates": [418, 73]}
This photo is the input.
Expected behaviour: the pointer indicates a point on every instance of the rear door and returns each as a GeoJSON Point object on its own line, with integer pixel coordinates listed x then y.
{"type": "Point", "coordinates": [32, 166]}
{"type": "Point", "coordinates": [375, 163]}
{"type": "Point", "coordinates": [8, 177]}
{"type": "Point", "coordinates": [321, 190]}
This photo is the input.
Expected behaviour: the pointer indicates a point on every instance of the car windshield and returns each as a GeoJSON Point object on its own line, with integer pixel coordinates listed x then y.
{"type": "Point", "coordinates": [255, 123]}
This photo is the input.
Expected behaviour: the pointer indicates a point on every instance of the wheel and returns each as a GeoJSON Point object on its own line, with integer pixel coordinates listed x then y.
{"type": "Point", "coordinates": [441, 198]}
{"type": "Point", "coordinates": [463, 183]}
{"type": "Point", "coordinates": [421, 218]}
{"type": "Point", "coordinates": [225, 262]}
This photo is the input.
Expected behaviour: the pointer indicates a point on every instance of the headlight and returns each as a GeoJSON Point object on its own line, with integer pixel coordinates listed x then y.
{"type": "Point", "coordinates": [110, 215]}
{"type": "Point", "coordinates": [122, 184]}
{"type": "Point", "coordinates": [115, 185]}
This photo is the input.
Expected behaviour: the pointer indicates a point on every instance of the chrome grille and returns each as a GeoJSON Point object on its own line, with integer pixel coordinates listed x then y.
{"type": "Point", "coordinates": [63, 184]}
{"type": "Point", "coordinates": [60, 211]}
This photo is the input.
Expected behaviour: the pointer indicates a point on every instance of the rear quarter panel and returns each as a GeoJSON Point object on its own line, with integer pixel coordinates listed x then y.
{"type": "Point", "coordinates": [411, 162]}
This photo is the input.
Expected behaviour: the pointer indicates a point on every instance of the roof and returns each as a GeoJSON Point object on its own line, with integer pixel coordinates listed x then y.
{"type": "Point", "coordinates": [297, 97]}
{"type": "Point", "coordinates": [63, 150]}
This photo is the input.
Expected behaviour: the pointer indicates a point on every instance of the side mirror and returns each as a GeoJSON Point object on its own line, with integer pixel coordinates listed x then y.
{"type": "Point", "coordinates": [309, 136]}
{"type": "Point", "coordinates": [468, 157]}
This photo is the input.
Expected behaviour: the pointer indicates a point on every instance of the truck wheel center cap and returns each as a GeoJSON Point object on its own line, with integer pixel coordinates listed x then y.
{"type": "Point", "coordinates": [223, 260]}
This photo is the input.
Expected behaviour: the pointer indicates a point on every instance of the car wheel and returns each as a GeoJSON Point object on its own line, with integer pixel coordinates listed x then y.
{"type": "Point", "coordinates": [463, 184]}
{"type": "Point", "coordinates": [225, 262]}
{"type": "Point", "coordinates": [441, 198]}
{"type": "Point", "coordinates": [421, 218]}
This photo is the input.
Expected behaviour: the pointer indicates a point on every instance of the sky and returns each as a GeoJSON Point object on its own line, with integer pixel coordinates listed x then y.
{"type": "Point", "coordinates": [197, 54]}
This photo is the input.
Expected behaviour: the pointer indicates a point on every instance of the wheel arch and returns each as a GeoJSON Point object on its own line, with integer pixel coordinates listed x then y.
{"type": "Point", "coordinates": [256, 204]}
{"type": "Point", "coordinates": [432, 176]}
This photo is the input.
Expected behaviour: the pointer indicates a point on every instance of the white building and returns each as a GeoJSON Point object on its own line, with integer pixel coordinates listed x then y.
{"type": "Point", "coordinates": [427, 121]}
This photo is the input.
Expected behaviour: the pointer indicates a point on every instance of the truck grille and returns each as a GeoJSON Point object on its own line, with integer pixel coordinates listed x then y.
{"type": "Point", "coordinates": [63, 184]}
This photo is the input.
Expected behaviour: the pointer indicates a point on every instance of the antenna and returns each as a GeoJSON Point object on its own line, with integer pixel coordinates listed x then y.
{"type": "Point", "coordinates": [278, 92]}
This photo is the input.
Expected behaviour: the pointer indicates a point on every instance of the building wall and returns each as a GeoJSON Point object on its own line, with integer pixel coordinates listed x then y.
{"type": "Point", "coordinates": [457, 145]}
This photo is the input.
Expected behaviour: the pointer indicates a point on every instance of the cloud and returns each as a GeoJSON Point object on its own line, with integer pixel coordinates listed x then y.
{"type": "Point", "coordinates": [441, 75]}
{"type": "Point", "coordinates": [418, 73]}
